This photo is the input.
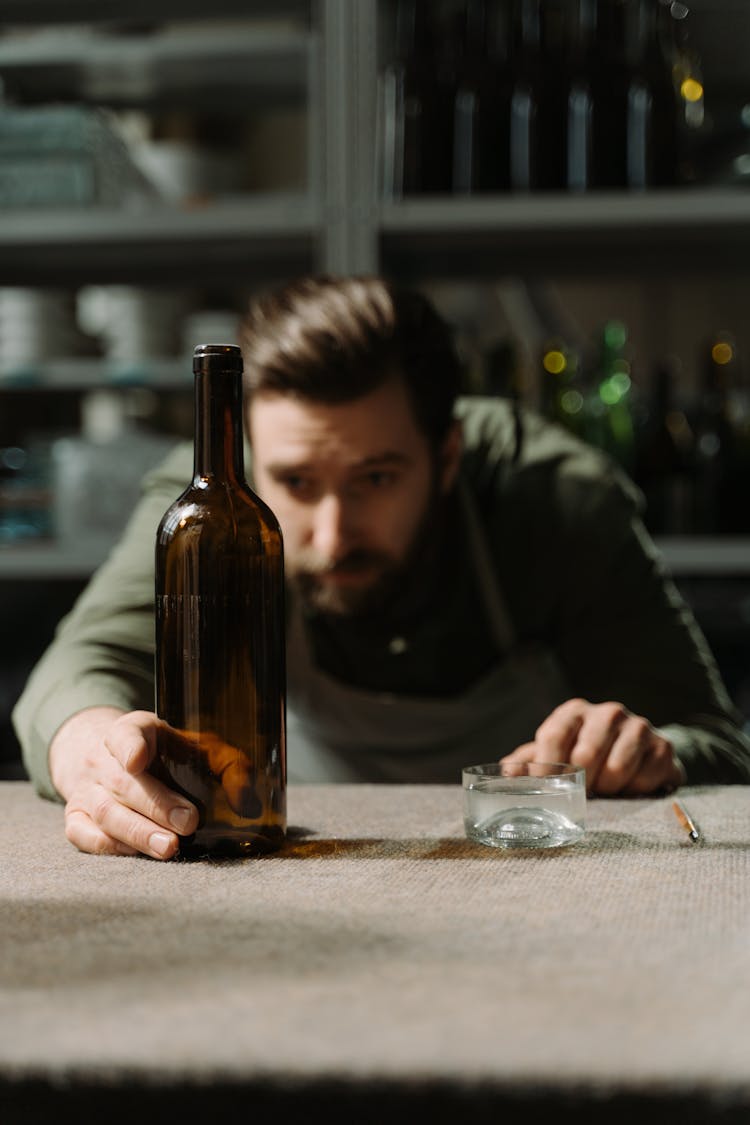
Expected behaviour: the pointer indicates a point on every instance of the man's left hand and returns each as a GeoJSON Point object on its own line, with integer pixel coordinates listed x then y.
{"type": "Point", "coordinates": [621, 752]}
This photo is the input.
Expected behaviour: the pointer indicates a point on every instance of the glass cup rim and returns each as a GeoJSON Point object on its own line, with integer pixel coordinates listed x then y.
{"type": "Point", "coordinates": [495, 770]}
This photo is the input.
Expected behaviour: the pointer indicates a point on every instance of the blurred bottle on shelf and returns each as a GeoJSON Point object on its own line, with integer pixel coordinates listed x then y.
{"type": "Point", "coordinates": [579, 96]}
{"type": "Point", "coordinates": [416, 107]}
{"type": "Point", "coordinates": [563, 393]}
{"type": "Point", "coordinates": [609, 399]}
{"type": "Point", "coordinates": [481, 120]}
{"type": "Point", "coordinates": [687, 76]}
{"type": "Point", "coordinates": [664, 466]}
{"type": "Point", "coordinates": [722, 443]}
{"type": "Point", "coordinates": [525, 95]}
{"type": "Point", "coordinates": [633, 98]}
{"type": "Point", "coordinates": [690, 456]}
{"type": "Point", "coordinates": [539, 95]}
{"type": "Point", "coordinates": [652, 102]}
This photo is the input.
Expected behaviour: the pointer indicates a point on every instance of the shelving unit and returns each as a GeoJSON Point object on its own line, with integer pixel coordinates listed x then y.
{"type": "Point", "coordinates": [325, 57]}
{"type": "Point", "coordinates": [320, 57]}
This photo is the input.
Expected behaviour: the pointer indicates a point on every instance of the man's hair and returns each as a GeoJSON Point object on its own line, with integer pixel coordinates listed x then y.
{"type": "Point", "coordinates": [333, 340]}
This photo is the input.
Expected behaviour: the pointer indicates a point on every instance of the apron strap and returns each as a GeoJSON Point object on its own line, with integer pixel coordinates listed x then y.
{"type": "Point", "coordinates": [501, 625]}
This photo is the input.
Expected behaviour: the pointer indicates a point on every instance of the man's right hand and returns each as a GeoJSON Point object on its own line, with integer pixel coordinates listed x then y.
{"type": "Point", "coordinates": [99, 763]}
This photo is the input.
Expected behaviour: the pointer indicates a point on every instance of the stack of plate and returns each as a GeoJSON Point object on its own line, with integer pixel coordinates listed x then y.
{"type": "Point", "coordinates": [35, 325]}
{"type": "Point", "coordinates": [132, 323]}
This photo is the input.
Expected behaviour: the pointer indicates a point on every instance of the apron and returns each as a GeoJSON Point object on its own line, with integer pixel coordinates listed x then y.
{"type": "Point", "coordinates": [339, 733]}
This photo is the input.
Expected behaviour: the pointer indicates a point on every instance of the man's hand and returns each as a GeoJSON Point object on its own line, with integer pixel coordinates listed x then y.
{"type": "Point", "coordinates": [98, 762]}
{"type": "Point", "coordinates": [622, 752]}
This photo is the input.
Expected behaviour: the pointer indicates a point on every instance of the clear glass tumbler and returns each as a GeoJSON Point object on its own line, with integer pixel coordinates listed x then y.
{"type": "Point", "coordinates": [524, 804]}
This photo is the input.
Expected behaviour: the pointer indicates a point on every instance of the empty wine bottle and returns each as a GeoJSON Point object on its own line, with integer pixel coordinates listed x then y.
{"type": "Point", "coordinates": [220, 633]}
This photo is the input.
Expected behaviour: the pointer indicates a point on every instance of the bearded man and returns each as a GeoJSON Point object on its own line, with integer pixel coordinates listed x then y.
{"type": "Point", "coordinates": [465, 582]}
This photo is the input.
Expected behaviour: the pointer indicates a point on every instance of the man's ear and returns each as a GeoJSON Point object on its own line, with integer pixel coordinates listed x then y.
{"type": "Point", "coordinates": [450, 455]}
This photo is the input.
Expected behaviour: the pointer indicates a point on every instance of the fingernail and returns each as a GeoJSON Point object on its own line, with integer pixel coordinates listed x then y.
{"type": "Point", "coordinates": [160, 843]}
{"type": "Point", "coordinates": [180, 818]}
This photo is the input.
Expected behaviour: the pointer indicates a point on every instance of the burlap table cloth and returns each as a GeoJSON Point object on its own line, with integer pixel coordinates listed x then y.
{"type": "Point", "coordinates": [382, 965]}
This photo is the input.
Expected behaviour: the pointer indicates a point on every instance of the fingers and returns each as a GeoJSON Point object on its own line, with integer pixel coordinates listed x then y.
{"type": "Point", "coordinates": [84, 834]}
{"type": "Point", "coordinates": [131, 739]}
{"type": "Point", "coordinates": [621, 752]}
{"type": "Point", "coordinates": [629, 755]}
{"type": "Point", "coordinates": [120, 815]}
{"type": "Point", "coordinates": [231, 765]}
{"type": "Point", "coordinates": [659, 770]}
{"type": "Point", "coordinates": [113, 804]}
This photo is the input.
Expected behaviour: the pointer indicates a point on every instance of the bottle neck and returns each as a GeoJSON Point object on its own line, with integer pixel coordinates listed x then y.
{"type": "Point", "coordinates": [218, 426]}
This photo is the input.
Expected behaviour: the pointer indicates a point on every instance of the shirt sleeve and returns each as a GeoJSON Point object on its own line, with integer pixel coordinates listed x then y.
{"type": "Point", "coordinates": [623, 630]}
{"type": "Point", "coordinates": [102, 653]}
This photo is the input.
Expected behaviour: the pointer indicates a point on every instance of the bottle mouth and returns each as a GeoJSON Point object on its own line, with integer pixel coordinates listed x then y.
{"type": "Point", "coordinates": [217, 357]}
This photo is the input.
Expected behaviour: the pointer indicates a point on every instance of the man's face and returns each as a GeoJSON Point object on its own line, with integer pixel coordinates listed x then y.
{"type": "Point", "coordinates": [354, 486]}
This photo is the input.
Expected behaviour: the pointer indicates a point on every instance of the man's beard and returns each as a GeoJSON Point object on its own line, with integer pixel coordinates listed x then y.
{"type": "Point", "coordinates": [392, 578]}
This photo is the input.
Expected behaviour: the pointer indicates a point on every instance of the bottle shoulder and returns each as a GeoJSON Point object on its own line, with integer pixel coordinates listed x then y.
{"type": "Point", "coordinates": [208, 509]}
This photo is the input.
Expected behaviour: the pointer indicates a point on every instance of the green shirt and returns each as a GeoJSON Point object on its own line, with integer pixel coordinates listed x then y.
{"type": "Point", "coordinates": [576, 567]}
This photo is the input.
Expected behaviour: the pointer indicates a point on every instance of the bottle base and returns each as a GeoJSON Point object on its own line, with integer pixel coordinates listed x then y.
{"type": "Point", "coordinates": [223, 845]}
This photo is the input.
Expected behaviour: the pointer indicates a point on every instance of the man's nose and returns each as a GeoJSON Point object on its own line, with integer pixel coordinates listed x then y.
{"type": "Point", "coordinates": [333, 528]}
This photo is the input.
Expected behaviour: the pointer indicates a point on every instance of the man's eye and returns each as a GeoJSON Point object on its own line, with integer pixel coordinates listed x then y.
{"type": "Point", "coordinates": [380, 478]}
{"type": "Point", "coordinates": [299, 486]}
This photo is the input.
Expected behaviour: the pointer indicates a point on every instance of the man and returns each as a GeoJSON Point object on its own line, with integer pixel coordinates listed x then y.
{"type": "Point", "coordinates": [465, 582]}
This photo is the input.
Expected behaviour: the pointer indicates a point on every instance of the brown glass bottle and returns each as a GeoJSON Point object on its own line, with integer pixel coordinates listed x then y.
{"type": "Point", "coordinates": [220, 633]}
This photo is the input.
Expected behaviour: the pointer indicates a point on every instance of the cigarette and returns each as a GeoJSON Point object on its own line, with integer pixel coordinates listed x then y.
{"type": "Point", "coordinates": [686, 821]}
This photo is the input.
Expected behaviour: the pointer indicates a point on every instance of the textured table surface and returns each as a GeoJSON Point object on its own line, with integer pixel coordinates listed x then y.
{"type": "Point", "coordinates": [380, 946]}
